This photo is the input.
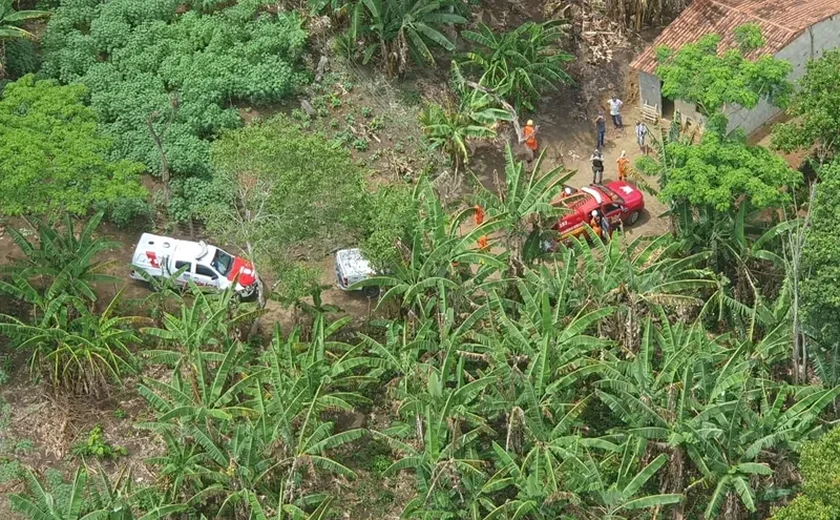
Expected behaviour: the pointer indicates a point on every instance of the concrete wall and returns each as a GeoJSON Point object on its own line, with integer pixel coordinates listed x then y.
{"type": "Point", "coordinates": [812, 43]}
{"type": "Point", "coordinates": [650, 90]}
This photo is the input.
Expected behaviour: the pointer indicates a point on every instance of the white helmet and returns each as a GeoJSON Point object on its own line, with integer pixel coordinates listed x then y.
{"type": "Point", "coordinates": [594, 212]}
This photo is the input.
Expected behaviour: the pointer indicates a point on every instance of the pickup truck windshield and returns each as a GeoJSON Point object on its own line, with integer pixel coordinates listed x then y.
{"type": "Point", "coordinates": [221, 262]}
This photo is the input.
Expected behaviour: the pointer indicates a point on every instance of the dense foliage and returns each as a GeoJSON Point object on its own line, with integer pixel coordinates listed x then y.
{"type": "Point", "coordinates": [393, 30]}
{"type": "Point", "coordinates": [307, 207]}
{"type": "Point", "coordinates": [52, 156]}
{"type": "Point", "coordinates": [585, 387]}
{"type": "Point", "coordinates": [815, 109]}
{"type": "Point", "coordinates": [519, 65]}
{"type": "Point", "coordinates": [820, 467]}
{"type": "Point", "coordinates": [699, 73]}
{"type": "Point", "coordinates": [722, 173]}
{"type": "Point", "coordinates": [667, 376]}
{"type": "Point", "coordinates": [140, 59]}
{"type": "Point", "coordinates": [820, 291]}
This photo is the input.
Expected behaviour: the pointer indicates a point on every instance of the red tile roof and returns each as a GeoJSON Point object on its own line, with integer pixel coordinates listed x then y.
{"type": "Point", "coordinates": [781, 21]}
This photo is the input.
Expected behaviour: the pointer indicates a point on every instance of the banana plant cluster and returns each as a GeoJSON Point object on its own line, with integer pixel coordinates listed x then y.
{"type": "Point", "coordinates": [596, 382]}
{"type": "Point", "coordinates": [68, 342]}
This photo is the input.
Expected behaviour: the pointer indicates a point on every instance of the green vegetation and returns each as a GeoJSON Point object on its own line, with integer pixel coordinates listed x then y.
{"type": "Point", "coordinates": [188, 69]}
{"type": "Point", "coordinates": [687, 375]}
{"type": "Point", "coordinates": [814, 110]}
{"type": "Point", "coordinates": [316, 199]}
{"type": "Point", "coordinates": [10, 19]}
{"type": "Point", "coordinates": [520, 64]}
{"type": "Point", "coordinates": [820, 467]}
{"type": "Point", "coordinates": [715, 81]}
{"type": "Point", "coordinates": [820, 293]}
{"type": "Point", "coordinates": [48, 137]}
{"type": "Point", "coordinates": [395, 29]}
{"type": "Point", "coordinates": [96, 446]}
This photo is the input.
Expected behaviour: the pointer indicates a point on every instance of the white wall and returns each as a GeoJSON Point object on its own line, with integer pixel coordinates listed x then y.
{"type": "Point", "coordinates": [812, 43]}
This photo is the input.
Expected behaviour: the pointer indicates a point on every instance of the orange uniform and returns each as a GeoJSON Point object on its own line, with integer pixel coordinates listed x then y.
{"type": "Point", "coordinates": [623, 168]}
{"type": "Point", "coordinates": [530, 138]}
{"type": "Point", "coordinates": [593, 223]}
{"type": "Point", "coordinates": [479, 219]}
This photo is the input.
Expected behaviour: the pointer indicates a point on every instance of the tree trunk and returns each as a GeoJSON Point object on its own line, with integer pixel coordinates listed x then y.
{"type": "Point", "coordinates": [164, 164]}
{"type": "Point", "coordinates": [261, 299]}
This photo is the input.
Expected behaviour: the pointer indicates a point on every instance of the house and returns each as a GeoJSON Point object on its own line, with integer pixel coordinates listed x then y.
{"type": "Point", "coordinates": [794, 30]}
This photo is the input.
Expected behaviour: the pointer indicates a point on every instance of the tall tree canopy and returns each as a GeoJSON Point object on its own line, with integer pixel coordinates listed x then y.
{"type": "Point", "coordinates": [52, 156]}
{"type": "Point", "coordinates": [815, 109]}
{"type": "Point", "coordinates": [820, 290]}
{"type": "Point", "coordinates": [722, 172]}
{"type": "Point", "coordinates": [283, 192]}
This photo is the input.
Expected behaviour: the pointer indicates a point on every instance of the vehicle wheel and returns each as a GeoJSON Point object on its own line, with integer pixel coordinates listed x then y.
{"type": "Point", "coordinates": [633, 218]}
{"type": "Point", "coordinates": [371, 292]}
{"type": "Point", "coordinates": [248, 294]}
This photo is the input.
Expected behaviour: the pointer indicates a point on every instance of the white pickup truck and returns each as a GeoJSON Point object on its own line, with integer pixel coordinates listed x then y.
{"type": "Point", "coordinates": [352, 267]}
{"type": "Point", "coordinates": [205, 265]}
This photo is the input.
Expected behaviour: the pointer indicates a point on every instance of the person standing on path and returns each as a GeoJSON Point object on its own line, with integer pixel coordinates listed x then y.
{"type": "Point", "coordinates": [623, 166]}
{"type": "Point", "coordinates": [529, 132]}
{"type": "Point", "coordinates": [615, 111]}
{"type": "Point", "coordinates": [597, 167]}
{"type": "Point", "coordinates": [601, 128]}
{"type": "Point", "coordinates": [641, 133]}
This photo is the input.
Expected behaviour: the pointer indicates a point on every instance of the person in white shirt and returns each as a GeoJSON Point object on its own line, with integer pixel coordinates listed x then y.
{"type": "Point", "coordinates": [641, 133]}
{"type": "Point", "coordinates": [615, 111]}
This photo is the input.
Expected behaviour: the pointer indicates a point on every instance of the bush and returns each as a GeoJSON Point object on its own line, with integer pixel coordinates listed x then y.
{"type": "Point", "coordinates": [128, 212]}
{"type": "Point", "coordinates": [97, 446]}
{"type": "Point", "coordinates": [52, 155]}
{"type": "Point", "coordinates": [21, 58]}
{"type": "Point", "coordinates": [821, 261]}
{"type": "Point", "coordinates": [392, 214]}
{"type": "Point", "coordinates": [820, 468]}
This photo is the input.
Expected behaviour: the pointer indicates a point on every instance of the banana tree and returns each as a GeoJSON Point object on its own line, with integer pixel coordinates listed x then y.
{"type": "Point", "coordinates": [520, 64]}
{"type": "Point", "coordinates": [393, 29]}
{"type": "Point", "coordinates": [78, 351]}
{"type": "Point", "coordinates": [614, 495]}
{"type": "Point", "coordinates": [639, 277]}
{"type": "Point", "coordinates": [9, 30]}
{"type": "Point", "coordinates": [524, 203]}
{"type": "Point", "coordinates": [59, 254]}
{"type": "Point", "coordinates": [450, 429]}
{"type": "Point", "coordinates": [471, 116]}
{"type": "Point", "coordinates": [85, 500]}
{"type": "Point", "coordinates": [437, 261]}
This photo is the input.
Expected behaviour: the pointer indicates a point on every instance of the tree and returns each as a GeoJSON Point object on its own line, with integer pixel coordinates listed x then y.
{"type": "Point", "coordinates": [393, 29]}
{"type": "Point", "coordinates": [451, 127]}
{"type": "Point", "coordinates": [813, 110]}
{"type": "Point", "coordinates": [820, 297]}
{"type": "Point", "coordinates": [53, 155]}
{"type": "Point", "coordinates": [311, 205]}
{"type": "Point", "coordinates": [61, 256]}
{"type": "Point", "coordinates": [525, 203]}
{"type": "Point", "coordinates": [715, 81]}
{"type": "Point", "coordinates": [520, 64]}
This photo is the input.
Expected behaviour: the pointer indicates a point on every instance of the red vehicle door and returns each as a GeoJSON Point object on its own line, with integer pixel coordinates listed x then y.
{"type": "Point", "coordinates": [613, 212]}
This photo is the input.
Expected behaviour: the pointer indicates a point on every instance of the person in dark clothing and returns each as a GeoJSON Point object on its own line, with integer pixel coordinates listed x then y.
{"type": "Point", "coordinates": [606, 230]}
{"type": "Point", "coordinates": [601, 128]}
{"type": "Point", "coordinates": [597, 167]}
